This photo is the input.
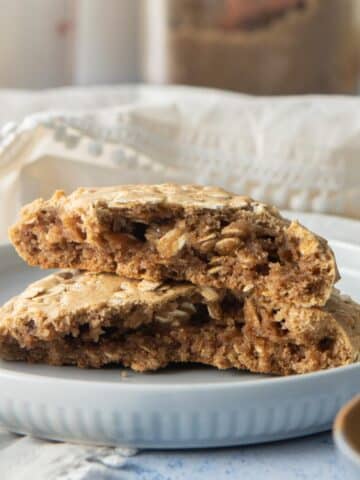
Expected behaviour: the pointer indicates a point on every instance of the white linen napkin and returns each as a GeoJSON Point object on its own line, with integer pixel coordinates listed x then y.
{"type": "Point", "coordinates": [22, 458]}
{"type": "Point", "coordinates": [300, 153]}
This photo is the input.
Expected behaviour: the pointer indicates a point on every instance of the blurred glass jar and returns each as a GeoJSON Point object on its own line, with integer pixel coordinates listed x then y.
{"type": "Point", "coordinates": [254, 46]}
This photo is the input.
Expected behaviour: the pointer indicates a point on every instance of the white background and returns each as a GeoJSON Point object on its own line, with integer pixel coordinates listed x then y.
{"type": "Point", "coordinates": [49, 43]}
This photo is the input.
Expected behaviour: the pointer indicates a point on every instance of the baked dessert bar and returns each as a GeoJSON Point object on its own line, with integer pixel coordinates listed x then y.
{"type": "Point", "coordinates": [91, 320]}
{"type": "Point", "coordinates": [186, 233]}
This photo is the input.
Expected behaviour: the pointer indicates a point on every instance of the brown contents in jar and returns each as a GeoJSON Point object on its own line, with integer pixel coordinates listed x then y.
{"type": "Point", "coordinates": [258, 47]}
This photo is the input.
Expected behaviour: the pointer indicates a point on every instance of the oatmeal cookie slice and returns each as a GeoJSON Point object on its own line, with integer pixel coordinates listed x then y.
{"type": "Point", "coordinates": [203, 235]}
{"type": "Point", "coordinates": [91, 320]}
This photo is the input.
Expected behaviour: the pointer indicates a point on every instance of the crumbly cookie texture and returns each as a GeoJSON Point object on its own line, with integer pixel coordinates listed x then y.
{"type": "Point", "coordinates": [90, 320]}
{"type": "Point", "coordinates": [204, 235]}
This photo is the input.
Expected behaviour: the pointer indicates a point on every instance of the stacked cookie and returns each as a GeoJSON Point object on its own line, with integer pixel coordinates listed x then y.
{"type": "Point", "coordinates": [170, 273]}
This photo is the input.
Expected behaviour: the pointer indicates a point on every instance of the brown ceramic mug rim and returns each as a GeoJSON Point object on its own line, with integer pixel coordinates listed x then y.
{"type": "Point", "coordinates": [341, 427]}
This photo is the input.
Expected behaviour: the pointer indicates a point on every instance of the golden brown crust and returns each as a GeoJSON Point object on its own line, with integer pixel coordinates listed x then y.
{"type": "Point", "coordinates": [91, 320]}
{"type": "Point", "coordinates": [63, 303]}
{"type": "Point", "coordinates": [125, 196]}
{"type": "Point", "coordinates": [183, 232]}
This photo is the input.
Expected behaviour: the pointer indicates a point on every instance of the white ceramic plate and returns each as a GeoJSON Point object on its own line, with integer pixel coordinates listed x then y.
{"type": "Point", "coordinates": [174, 408]}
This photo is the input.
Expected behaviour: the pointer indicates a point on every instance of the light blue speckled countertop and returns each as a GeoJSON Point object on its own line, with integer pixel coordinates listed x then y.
{"type": "Point", "coordinates": [307, 458]}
